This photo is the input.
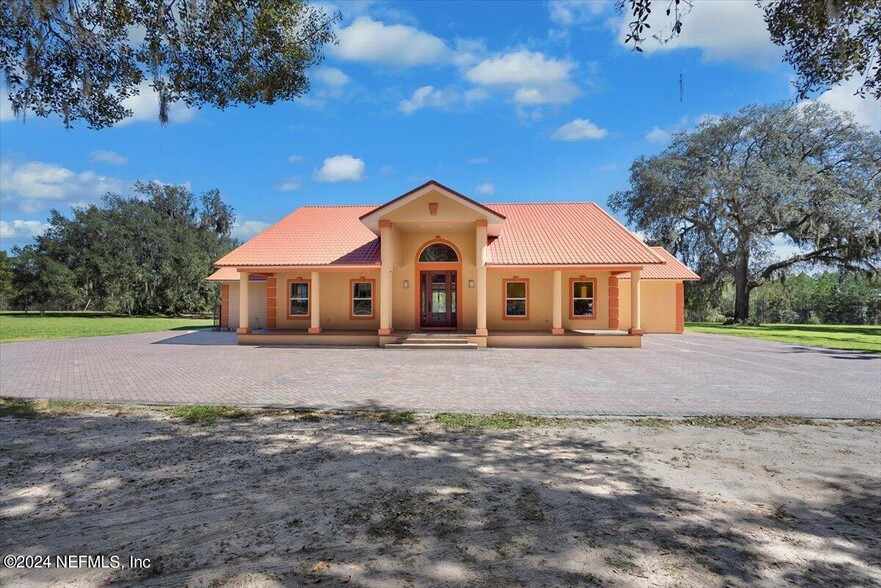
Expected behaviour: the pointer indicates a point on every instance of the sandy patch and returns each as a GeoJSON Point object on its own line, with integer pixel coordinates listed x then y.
{"type": "Point", "coordinates": [283, 501]}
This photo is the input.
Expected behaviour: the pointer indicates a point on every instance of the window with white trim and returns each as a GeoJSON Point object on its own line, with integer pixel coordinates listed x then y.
{"type": "Point", "coordinates": [516, 299]}
{"type": "Point", "coordinates": [299, 302]}
{"type": "Point", "coordinates": [583, 298]}
{"type": "Point", "coordinates": [362, 299]}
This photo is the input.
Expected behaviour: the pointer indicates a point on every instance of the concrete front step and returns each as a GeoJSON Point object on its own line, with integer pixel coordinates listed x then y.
{"type": "Point", "coordinates": [431, 345]}
{"type": "Point", "coordinates": [435, 340]}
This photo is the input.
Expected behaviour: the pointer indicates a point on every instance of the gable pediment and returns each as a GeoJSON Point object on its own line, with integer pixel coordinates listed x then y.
{"type": "Point", "coordinates": [432, 202]}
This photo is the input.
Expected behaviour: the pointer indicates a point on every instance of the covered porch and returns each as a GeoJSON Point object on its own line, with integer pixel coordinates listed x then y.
{"type": "Point", "coordinates": [354, 308]}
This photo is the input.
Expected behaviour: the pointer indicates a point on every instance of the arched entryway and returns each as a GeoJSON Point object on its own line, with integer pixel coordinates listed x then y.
{"type": "Point", "coordinates": [438, 294]}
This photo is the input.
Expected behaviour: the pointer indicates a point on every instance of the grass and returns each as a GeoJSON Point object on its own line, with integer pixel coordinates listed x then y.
{"type": "Point", "coordinates": [205, 415]}
{"type": "Point", "coordinates": [32, 326]}
{"type": "Point", "coordinates": [32, 408]}
{"type": "Point", "coordinates": [209, 414]}
{"type": "Point", "coordinates": [505, 420]}
{"type": "Point", "coordinates": [849, 337]}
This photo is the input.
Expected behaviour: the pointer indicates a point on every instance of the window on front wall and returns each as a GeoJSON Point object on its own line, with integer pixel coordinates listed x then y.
{"type": "Point", "coordinates": [362, 299]}
{"type": "Point", "coordinates": [299, 299]}
{"type": "Point", "coordinates": [582, 298]}
{"type": "Point", "coordinates": [516, 299]}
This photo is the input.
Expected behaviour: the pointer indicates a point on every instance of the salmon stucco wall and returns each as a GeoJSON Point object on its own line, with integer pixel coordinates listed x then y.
{"type": "Point", "coordinates": [256, 305]}
{"type": "Point", "coordinates": [408, 244]}
{"type": "Point", "coordinates": [540, 300]}
{"type": "Point", "coordinates": [659, 303]}
{"type": "Point", "coordinates": [600, 321]}
{"type": "Point", "coordinates": [335, 304]}
{"type": "Point", "coordinates": [224, 306]}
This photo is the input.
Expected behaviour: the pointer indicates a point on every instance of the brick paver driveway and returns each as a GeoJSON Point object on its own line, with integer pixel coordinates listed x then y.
{"type": "Point", "coordinates": [671, 375]}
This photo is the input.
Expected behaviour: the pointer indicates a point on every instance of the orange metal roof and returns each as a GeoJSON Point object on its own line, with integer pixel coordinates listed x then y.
{"type": "Point", "coordinates": [673, 269]}
{"type": "Point", "coordinates": [564, 233]}
{"type": "Point", "coordinates": [311, 236]}
{"type": "Point", "coordinates": [572, 233]}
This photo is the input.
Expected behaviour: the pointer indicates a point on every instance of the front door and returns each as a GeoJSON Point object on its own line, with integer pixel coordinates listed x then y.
{"type": "Point", "coordinates": [438, 300]}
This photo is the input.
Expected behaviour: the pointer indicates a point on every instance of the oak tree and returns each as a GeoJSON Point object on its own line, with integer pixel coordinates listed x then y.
{"type": "Point", "coordinates": [81, 59]}
{"type": "Point", "coordinates": [826, 41]}
{"type": "Point", "coordinates": [721, 195]}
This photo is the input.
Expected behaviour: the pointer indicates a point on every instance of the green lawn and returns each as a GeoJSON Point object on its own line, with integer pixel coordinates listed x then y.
{"type": "Point", "coordinates": [850, 337]}
{"type": "Point", "coordinates": [29, 327]}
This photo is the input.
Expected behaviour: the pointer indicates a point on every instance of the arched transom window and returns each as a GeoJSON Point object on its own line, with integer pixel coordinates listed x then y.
{"type": "Point", "coordinates": [438, 253]}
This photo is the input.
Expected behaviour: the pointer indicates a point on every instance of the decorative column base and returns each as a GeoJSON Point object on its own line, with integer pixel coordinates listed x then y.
{"type": "Point", "coordinates": [481, 332]}
{"type": "Point", "coordinates": [558, 331]}
{"type": "Point", "coordinates": [383, 332]}
{"type": "Point", "coordinates": [314, 330]}
{"type": "Point", "coordinates": [635, 332]}
{"type": "Point", "coordinates": [243, 331]}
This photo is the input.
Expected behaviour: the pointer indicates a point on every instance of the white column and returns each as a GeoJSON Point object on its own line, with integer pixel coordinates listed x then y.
{"type": "Point", "coordinates": [385, 277]}
{"type": "Point", "coordinates": [557, 327]}
{"type": "Point", "coordinates": [243, 303]}
{"type": "Point", "coordinates": [315, 305]}
{"type": "Point", "coordinates": [635, 325]}
{"type": "Point", "coordinates": [480, 250]}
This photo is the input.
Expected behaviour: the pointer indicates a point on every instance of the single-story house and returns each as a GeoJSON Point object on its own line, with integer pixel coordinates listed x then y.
{"type": "Point", "coordinates": [434, 267]}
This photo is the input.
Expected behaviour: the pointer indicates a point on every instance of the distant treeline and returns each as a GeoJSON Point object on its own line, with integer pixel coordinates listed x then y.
{"type": "Point", "coordinates": [143, 254]}
{"type": "Point", "coordinates": [843, 298]}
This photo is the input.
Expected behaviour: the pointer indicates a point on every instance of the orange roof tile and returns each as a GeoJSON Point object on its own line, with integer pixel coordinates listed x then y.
{"type": "Point", "coordinates": [672, 269]}
{"type": "Point", "coordinates": [564, 233]}
{"type": "Point", "coordinates": [310, 236]}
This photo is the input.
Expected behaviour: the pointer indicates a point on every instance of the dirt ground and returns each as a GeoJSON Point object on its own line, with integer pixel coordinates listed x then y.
{"type": "Point", "coordinates": [286, 499]}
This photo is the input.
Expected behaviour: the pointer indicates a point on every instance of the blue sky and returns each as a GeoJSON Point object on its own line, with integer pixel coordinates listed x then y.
{"type": "Point", "coordinates": [503, 101]}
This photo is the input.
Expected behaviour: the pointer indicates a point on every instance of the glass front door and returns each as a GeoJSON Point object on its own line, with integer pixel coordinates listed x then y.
{"type": "Point", "coordinates": [438, 299]}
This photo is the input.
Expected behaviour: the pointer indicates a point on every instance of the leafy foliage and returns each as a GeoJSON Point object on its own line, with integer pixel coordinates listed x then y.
{"type": "Point", "coordinates": [6, 274]}
{"type": "Point", "coordinates": [82, 58]}
{"type": "Point", "coordinates": [827, 41]}
{"type": "Point", "coordinates": [719, 195]}
{"type": "Point", "coordinates": [836, 298]}
{"type": "Point", "coordinates": [144, 254]}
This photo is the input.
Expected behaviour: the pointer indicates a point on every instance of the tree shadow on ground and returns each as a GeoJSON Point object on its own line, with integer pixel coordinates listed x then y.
{"type": "Point", "coordinates": [204, 336]}
{"type": "Point", "coordinates": [833, 353]}
{"type": "Point", "coordinates": [302, 497]}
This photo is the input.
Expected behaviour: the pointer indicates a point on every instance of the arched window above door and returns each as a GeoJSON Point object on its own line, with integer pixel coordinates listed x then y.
{"type": "Point", "coordinates": [438, 253]}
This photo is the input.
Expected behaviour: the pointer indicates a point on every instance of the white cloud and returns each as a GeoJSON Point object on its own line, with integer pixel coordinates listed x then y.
{"type": "Point", "coordinates": [658, 135]}
{"type": "Point", "coordinates": [521, 67]}
{"type": "Point", "coordinates": [478, 160]}
{"type": "Point", "coordinates": [331, 77]}
{"type": "Point", "coordinates": [609, 167]}
{"type": "Point", "coordinates": [866, 111]}
{"type": "Point", "coordinates": [21, 230]}
{"type": "Point", "coordinates": [244, 230]}
{"type": "Point", "coordinates": [371, 41]}
{"type": "Point", "coordinates": [111, 157]}
{"type": "Point", "coordinates": [296, 158]}
{"type": "Point", "coordinates": [486, 189]}
{"type": "Point", "coordinates": [579, 129]}
{"type": "Point", "coordinates": [145, 108]}
{"type": "Point", "coordinates": [731, 30]}
{"type": "Point", "coordinates": [341, 168]}
{"type": "Point", "coordinates": [290, 185]}
{"type": "Point", "coordinates": [431, 97]}
{"type": "Point", "coordinates": [533, 77]}
{"type": "Point", "coordinates": [33, 185]}
{"type": "Point", "coordinates": [569, 12]}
